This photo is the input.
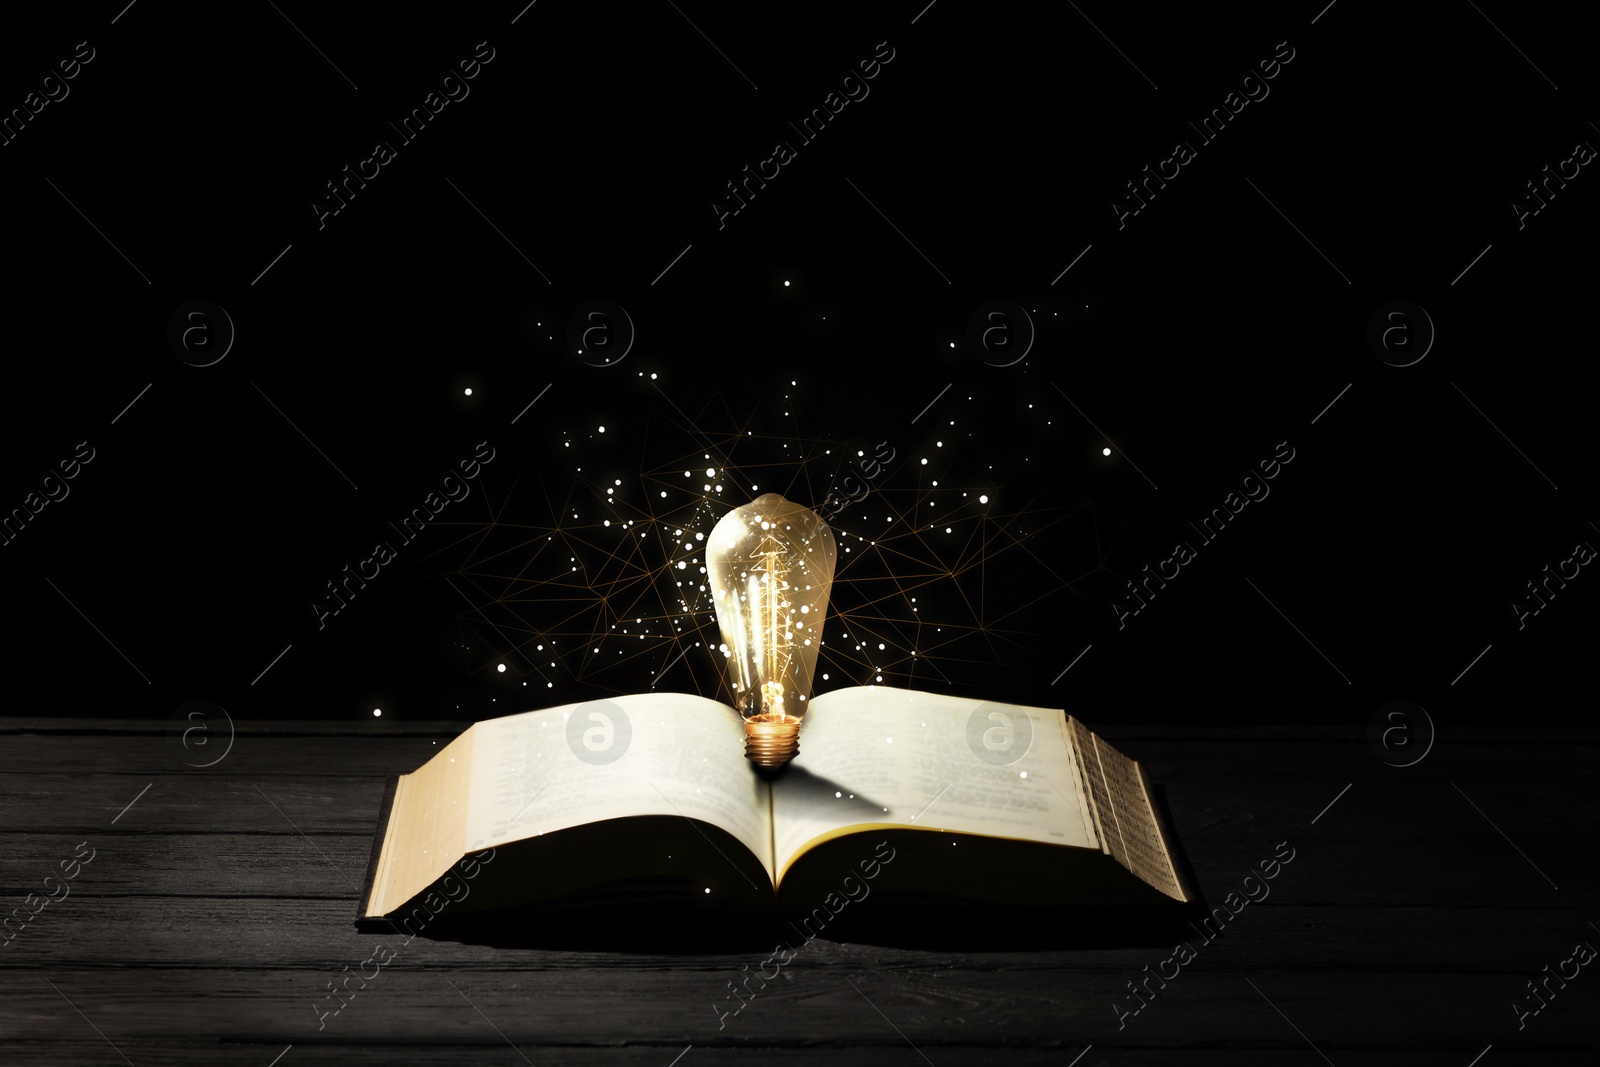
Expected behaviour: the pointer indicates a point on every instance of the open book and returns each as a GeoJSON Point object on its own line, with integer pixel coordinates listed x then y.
{"type": "Point", "coordinates": [651, 797]}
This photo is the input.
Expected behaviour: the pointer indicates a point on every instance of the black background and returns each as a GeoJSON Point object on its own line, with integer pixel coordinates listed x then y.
{"type": "Point", "coordinates": [1196, 338]}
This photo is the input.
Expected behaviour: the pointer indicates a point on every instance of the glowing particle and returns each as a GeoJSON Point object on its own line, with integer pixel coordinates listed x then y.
{"type": "Point", "coordinates": [501, 668]}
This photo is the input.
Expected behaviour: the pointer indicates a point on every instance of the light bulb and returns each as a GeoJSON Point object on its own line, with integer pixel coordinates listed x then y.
{"type": "Point", "coordinates": [770, 565]}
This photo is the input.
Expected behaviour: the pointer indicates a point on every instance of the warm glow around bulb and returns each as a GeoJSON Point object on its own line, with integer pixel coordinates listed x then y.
{"type": "Point", "coordinates": [770, 566]}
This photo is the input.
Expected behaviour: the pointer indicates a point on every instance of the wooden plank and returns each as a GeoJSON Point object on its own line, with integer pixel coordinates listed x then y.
{"type": "Point", "coordinates": [65, 804]}
{"type": "Point", "coordinates": [1445, 856]}
{"type": "Point", "coordinates": [1170, 764]}
{"type": "Point", "coordinates": [144, 755]}
{"type": "Point", "coordinates": [492, 1050]}
{"type": "Point", "coordinates": [1399, 839]}
{"type": "Point", "coordinates": [287, 931]}
{"type": "Point", "coordinates": [932, 1006]}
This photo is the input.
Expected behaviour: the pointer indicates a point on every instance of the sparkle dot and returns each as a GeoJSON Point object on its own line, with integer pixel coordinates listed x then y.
{"type": "Point", "coordinates": [786, 285]}
{"type": "Point", "coordinates": [377, 711]}
{"type": "Point", "coordinates": [1105, 451]}
{"type": "Point", "coordinates": [1024, 774]}
{"type": "Point", "coordinates": [983, 500]}
{"type": "Point", "coordinates": [710, 473]}
{"type": "Point", "coordinates": [501, 668]}
{"type": "Point", "coordinates": [602, 429]}
{"type": "Point", "coordinates": [468, 392]}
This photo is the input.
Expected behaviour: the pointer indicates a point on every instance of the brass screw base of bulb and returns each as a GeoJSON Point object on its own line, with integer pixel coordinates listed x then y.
{"type": "Point", "coordinates": [771, 744]}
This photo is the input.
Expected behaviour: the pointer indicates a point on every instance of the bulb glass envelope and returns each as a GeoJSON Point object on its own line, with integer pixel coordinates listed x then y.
{"type": "Point", "coordinates": [770, 565]}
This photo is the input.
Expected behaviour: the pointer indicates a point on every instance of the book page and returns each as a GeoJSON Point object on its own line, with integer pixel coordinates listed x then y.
{"type": "Point", "coordinates": [1121, 807]}
{"type": "Point", "coordinates": [648, 754]}
{"type": "Point", "coordinates": [885, 756]}
{"type": "Point", "coordinates": [426, 829]}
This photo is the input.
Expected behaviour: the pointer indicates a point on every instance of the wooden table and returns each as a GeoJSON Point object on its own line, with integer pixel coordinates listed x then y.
{"type": "Point", "coordinates": [219, 904]}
